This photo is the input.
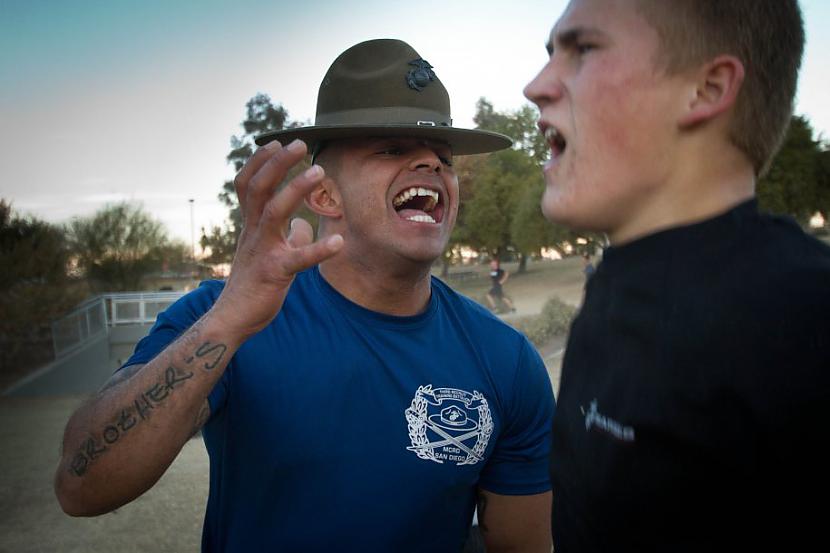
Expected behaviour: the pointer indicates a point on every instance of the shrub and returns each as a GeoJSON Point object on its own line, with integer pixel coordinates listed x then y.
{"type": "Point", "coordinates": [554, 320]}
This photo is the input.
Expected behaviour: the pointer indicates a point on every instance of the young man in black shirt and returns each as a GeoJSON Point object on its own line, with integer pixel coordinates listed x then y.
{"type": "Point", "coordinates": [694, 407]}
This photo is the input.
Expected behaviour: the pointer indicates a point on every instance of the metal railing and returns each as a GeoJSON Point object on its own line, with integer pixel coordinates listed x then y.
{"type": "Point", "coordinates": [95, 316]}
{"type": "Point", "coordinates": [83, 324]}
{"type": "Point", "coordinates": [129, 308]}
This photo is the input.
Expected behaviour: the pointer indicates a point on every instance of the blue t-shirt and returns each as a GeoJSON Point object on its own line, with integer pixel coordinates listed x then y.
{"type": "Point", "coordinates": [337, 428]}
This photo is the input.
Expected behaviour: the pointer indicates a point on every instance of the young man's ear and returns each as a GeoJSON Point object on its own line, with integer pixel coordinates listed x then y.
{"type": "Point", "coordinates": [324, 200]}
{"type": "Point", "coordinates": [717, 86]}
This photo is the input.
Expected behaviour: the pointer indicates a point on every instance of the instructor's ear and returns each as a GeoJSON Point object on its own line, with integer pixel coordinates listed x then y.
{"type": "Point", "coordinates": [714, 91]}
{"type": "Point", "coordinates": [324, 199]}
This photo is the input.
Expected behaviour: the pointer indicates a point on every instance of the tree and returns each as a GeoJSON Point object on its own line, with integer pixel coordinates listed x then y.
{"type": "Point", "coordinates": [466, 167]}
{"type": "Point", "coordinates": [520, 125]}
{"type": "Point", "coordinates": [118, 246]}
{"type": "Point", "coordinates": [221, 241]}
{"type": "Point", "coordinates": [823, 195]}
{"type": "Point", "coordinates": [797, 183]}
{"type": "Point", "coordinates": [175, 256]}
{"type": "Point", "coordinates": [31, 250]}
{"type": "Point", "coordinates": [501, 209]}
{"type": "Point", "coordinates": [261, 115]}
{"type": "Point", "coordinates": [498, 186]}
{"type": "Point", "coordinates": [501, 180]}
{"type": "Point", "coordinates": [34, 289]}
{"type": "Point", "coordinates": [502, 192]}
{"type": "Point", "coordinates": [530, 230]}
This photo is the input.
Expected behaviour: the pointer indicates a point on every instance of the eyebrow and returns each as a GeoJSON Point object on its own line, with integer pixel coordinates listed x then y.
{"type": "Point", "coordinates": [569, 37]}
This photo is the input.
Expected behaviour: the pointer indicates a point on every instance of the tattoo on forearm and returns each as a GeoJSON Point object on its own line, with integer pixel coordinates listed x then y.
{"type": "Point", "coordinates": [482, 513]}
{"type": "Point", "coordinates": [208, 351]}
{"type": "Point", "coordinates": [142, 407]}
{"type": "Point", "coordinates": [151, 398]}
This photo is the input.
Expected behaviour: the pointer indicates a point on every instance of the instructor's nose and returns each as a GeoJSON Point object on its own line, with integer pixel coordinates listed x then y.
{"type": "Point", "coordinates": [425, 159]}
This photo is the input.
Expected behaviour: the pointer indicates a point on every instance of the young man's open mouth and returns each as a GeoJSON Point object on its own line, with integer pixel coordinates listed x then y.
{"type": "Point", "coordinates": [556, 141]}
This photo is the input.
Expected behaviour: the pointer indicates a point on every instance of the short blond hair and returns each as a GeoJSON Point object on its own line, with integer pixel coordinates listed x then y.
{"type": "Point", "coordinates": [766, 35]}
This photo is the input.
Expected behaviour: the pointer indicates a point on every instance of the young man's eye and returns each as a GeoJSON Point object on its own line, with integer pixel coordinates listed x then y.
{"type": "Point", "coordinates": [584, 48]}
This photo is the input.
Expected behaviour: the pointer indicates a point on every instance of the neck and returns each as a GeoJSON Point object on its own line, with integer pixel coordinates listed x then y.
{"type": "Point", "coordinates": [390, 290]}
{"type": "Point", "coordinates": [695, 191]}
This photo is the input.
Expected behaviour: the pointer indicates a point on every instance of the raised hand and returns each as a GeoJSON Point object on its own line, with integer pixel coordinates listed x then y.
{"type": "Point", "coordinates": [267, 258]}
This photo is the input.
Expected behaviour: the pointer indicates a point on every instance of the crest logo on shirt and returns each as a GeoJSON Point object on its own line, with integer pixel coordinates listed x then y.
{"type": "Point", "coordinates": [447, 424]}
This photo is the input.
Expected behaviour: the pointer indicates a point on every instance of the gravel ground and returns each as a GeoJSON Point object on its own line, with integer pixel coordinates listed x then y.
{"type": "Point", "coordinates": [167, 518]}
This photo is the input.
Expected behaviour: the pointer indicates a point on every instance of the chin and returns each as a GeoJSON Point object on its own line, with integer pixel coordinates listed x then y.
{"type": "Point", "coordinates": [424, 255]}
{"type": "Point", "coordinates": [572, 215]}
{"type": "Point", "coordinates": [555, 208]}
{"type": "Point", "coordinates": [551, 213]}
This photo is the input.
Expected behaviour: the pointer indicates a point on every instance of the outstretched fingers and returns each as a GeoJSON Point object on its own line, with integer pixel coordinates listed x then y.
{"type": "Point", "coordinates": [244, 176]}
{"type": "Point", "coordinates": [279, 207]}
{"type": "Point", "coordinates": [300, 233]}
{"type": "Point", "coordinates": [304, 253]}
{"type": "Point", "coordinates": [261, 176]}
{"type": "Point", "coordinates": [300, 259]}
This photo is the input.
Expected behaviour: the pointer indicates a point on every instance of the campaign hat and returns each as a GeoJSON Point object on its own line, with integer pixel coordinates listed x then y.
{"type": "Point", "coordinates": [383, 88]}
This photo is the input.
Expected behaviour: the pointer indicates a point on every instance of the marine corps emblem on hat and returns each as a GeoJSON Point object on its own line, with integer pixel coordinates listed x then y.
{"type": "Point", "coordinates": [421, 76]}
{"type": "Point", "coordinates": [385, 88]}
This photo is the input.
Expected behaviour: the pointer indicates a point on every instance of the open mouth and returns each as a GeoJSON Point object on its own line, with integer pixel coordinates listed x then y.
{"type": "Point", "coordinates": [556, 141]}
{"type": "Point", "coordinates": [418, 204]}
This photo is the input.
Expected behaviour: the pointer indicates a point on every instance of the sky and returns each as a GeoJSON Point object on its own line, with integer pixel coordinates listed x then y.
{"type": "Point", "coordinates": [109, 100]}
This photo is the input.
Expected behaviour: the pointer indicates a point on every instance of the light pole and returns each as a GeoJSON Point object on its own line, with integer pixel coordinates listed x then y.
{"type": "Point", "coordinates": [192, 235]}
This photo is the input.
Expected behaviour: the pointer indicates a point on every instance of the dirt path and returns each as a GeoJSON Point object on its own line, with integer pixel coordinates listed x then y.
{"type": "Point", "coordinates": [529, 290]}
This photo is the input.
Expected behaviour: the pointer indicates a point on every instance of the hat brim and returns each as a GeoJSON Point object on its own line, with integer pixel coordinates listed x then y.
{"type": "Point", "coordinates": [462, 141]}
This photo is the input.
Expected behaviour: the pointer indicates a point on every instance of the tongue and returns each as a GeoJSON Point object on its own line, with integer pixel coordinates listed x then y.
{"type": "Point", "coordinates": [407, 213]}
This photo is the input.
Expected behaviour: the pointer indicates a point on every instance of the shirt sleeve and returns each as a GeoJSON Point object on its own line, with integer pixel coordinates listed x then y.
{"type": "Point", "coordinates": [172, 323]}
{"type": "Point", "coordinates": [519, 463]}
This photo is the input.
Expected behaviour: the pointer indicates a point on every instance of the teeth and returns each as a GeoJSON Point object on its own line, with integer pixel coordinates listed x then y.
{"type": "Point", "coordinates": [556, 140]}
{"type": "Point", "coordinates": [421, 219]}
{"type": "Point", "coordinates": [410, 193]}
{"type": "Point", "coordinates": [552, 134]}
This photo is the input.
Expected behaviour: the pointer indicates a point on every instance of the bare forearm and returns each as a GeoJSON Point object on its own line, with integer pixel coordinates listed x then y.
{"type": "Point", "coordinates": [514, 524]}
{"type": "Point", "coordinates": [119, 444]}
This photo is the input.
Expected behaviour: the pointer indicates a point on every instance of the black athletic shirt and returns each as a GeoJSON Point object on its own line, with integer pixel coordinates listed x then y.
{"type": "Point", "coordinates": [495, 281]}
{"type": "Point", "coordinates": [694, 410]}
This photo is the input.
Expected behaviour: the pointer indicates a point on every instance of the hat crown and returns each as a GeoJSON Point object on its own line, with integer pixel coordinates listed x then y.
{"type": "Point", "coordinates": [384, 88]}
{"type": "Point", "coordinates": [372, 82]}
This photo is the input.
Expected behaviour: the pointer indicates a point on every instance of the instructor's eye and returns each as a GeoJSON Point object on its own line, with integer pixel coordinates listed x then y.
{"type": "Point", "coordinates": [391, 151]}
{"type": "Point", "coordinates": [445, 161]}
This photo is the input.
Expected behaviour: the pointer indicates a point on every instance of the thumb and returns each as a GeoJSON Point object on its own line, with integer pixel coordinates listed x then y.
{"type": "Point", "coordinates": [300, 234]}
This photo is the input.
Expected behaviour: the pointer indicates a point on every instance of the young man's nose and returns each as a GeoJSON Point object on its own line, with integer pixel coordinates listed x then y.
{"type": "Point", "coordinates": [546, 87]}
